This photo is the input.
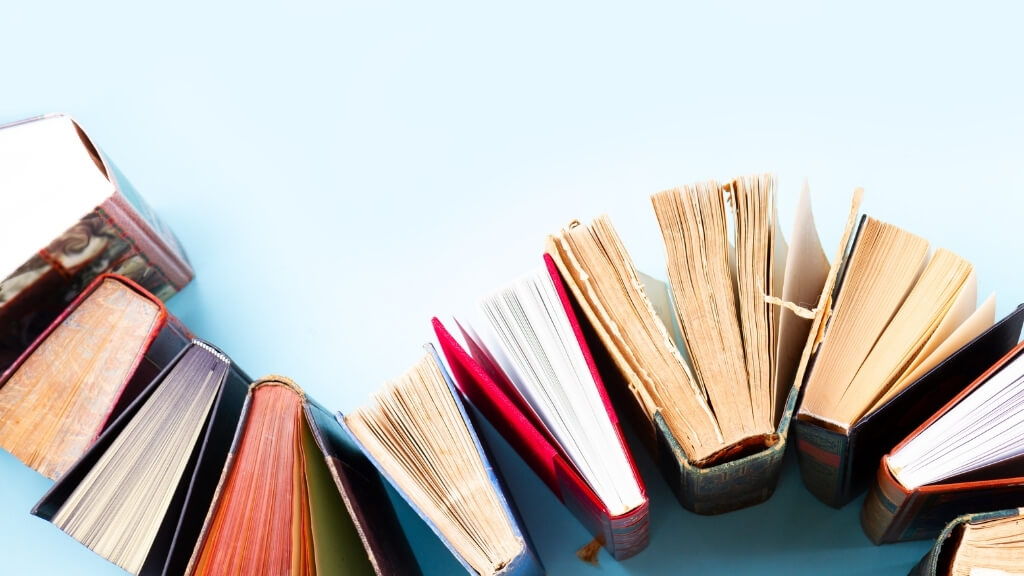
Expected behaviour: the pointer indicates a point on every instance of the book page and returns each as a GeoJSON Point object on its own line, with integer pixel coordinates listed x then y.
{"type": "Point", "coordinates": [528, 333]}
{"type": "Point", "coordinates": [806, 270]}
{"type": "Point", "coordinates": [990, 548]}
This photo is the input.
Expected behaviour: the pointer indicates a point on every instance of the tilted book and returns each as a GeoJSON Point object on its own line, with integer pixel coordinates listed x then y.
{"type": "Point", "coordinates": [523, 385]}
{"type": "Point", "coordinates": [967, 457]}
{"type": "Point", "coordinates": [295, 498]}
{"type": "Point", "coordinates": [71, 215]}
{"type": "Point", "coordinates": [418, 434]}
{"type": "Point", "coordinates": [83, 371]}
{"type": "Point", "coordinates": [711, 401]}
{"type": "Point", "coordinates": [903, 335]}
{"type": "Point", "coordinates": [982, 543]}
{"type": "Point", "coordinates": [837, 466]}
{"type": "Point", "coordinates": [139, 495]}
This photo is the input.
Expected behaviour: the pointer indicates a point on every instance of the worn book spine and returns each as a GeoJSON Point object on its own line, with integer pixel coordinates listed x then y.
{"type": "Point", "coordinates": [886, 507]}
{"type": "Point", "coordinates": [938, 560]}
{"type": "Point", "coordinates": [823, 455]}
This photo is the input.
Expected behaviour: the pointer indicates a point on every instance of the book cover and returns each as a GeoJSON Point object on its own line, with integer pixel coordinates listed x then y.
{"type": "Point", "coordinates": [526, 563]}
{"type": "Point", "coordinates": [77, 217]}
{"type": "Point", "coordinates": [182, 520]}
{"type": "Point", "coordinates": [892, 513]}
{"type": "Point", "coordinates": [624, 535]}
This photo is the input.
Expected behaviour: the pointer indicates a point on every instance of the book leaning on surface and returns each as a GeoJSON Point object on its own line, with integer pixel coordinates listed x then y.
{"type": "Point", "coordinates": [139, 495]}
{"type": "Point", "coordinates": [969, 456]}
{"type": "Point", "coordinates": [714, 408]}
{"type": "Point", "coordinates": [526, 367]}
{"type": "Point", "coordinates": [417, 433]}
{"type": "Point", "coordinates": [904, 334]}
{"type": "Point", "coordinates": [70, 216]}
{"type": "Point", "coordinates": [83, 371]}
{"type": "Point", "coordinates": [294, 498]}
{"type": "Point", "coordinates": [981, 544]}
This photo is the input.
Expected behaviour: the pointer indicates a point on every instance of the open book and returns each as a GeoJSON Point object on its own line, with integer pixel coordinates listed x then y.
{"type": "Point", "coordinates": [888, 354]}
{"type": "Point", "coordinates": [968, 456]}
{"type": "Point", "coordinates": [419, 436]}
{"type": "Point", "coordinates": [524, 364]}
{"type": "Point", "coordinates": [982, 544]}
{"type": "Point", "coordinates": [716, 409]}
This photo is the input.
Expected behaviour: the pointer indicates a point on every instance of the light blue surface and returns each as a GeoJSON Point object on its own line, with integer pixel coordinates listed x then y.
{"type": "Point", "coordinates": [339, 173]}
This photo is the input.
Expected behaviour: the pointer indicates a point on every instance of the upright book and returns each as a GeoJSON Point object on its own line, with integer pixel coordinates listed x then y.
{"type": "Point", "coordinates": [714, 407]}
{"type": "Point", "coordinates": [904, 334]}
{"type": "Point", "coordinates": [83, 371]}
{"type": "Point", "coordinates": [71, 215]}
{"type": "Point", "coordinates": [139, 495]}
{"type": "Point", "coordinates": [980, 544]}
{"type": "Point", "coordinates": [294, 498]}
{"type": "Point", "coordinates": [526, 367]}
{"type": "Point", "coordinates": [417, 433]}
{"type": "Point", "coordinates": [967, 457]}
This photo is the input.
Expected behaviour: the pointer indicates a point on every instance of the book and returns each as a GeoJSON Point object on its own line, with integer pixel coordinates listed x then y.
{"type": "Point", "coordinates": [716, 426]}
{"type": "Point", "coordinates": [72, 215]}
{"type": "Point", "coordinates": [83, 371]}
{"type": "Point", "coordinates": [838, 466]}
{"type": "Point", "coordinates": [417, 433]}
{"type": "Point", "coordinates": [980, 544]}
{"type": "Point", "coordinates": [527, 368]}
{"type": "Point", "coordinates": [295, 498]}
{"type": "Point", "coordinates": [967, 457]}
{"type": "Point", "coordinates": [896, 315]}
{"type": "Point", "coordinates": [139, 495]}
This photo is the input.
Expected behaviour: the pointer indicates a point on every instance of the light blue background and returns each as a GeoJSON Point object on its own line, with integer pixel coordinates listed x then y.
{"type": "Point", "coordinates": [341, 172]}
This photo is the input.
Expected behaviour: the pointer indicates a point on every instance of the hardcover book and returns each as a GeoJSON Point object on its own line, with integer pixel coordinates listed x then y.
{"type": "Point", "coordinates": [528, 370]}
{"type": "Point", "coordinates": [987, 543]}
{"type": "Point", "coordinates": [71, 216]}
{"type": "Point", "coordinates": [968, 456]}
{"type": "Point", "coordinates": [138, 496]}
{"type": "Point", "coordinates": [714, 408]}
{"type": "Point", "coordinates": [295, 498]}
{"type": "Point", "coordinates": [83, 371]}
{"type": "Point", "coordinates": [419, 436]}
{"type": "Point", "coordinates": [904, 334]}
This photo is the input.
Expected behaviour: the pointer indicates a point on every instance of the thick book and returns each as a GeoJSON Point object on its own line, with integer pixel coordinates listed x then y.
{"type": "Point", "coordinates": [985, 543]}
{"type": "Point", "coordinates": [554, 426]}
{"type": "Point", "coordinates": [968, 456]}
{"type": "Point", "coordinates": [658, 362]}
{"type": "Point", "coordinates": [83, 371]}
{"type": "Point", "coordinates": [294, 497]}
{"type": "Point", "coordinates": [139, 495]}
{"type": "Point", "coordinates": [903, 335]}
{"type": "Point", "coordinates": [418, 434]}
{"type": "Point", "coordinates": [837, 466]}
{"type": "Point", "coordinates": [71, 215]}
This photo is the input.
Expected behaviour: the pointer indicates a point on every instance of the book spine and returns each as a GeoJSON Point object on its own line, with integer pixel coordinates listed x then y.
{"type": "Point", "coordinates": [885, 507]}
{"type": "Point", "coordinates": [723, 488]}
{"type": "Point", "coordinates": [823, 456]}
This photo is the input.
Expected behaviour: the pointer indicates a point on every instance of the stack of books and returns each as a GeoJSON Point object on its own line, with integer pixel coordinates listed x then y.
{"type": "Point", "coordinates": [169, 459]}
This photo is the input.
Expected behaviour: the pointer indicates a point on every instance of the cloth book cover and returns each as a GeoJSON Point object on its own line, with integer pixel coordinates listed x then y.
{"type": "Point", "coordinates": [892, 513]}
{"type": "Point", "coordinates": [72, 215]}
{"type": "Point", "coordinates": [938, 560]}
{"type": "Point", "coordinates": [624, 535]}
{"type": "Point", "coordinates": [53, 363]}
{"type": "Point", "coordinates": [193, 493]}
{"type": "Point", "coordinates": [527, 563]}
{"type": "Point", "coordinates": [372, 531]}
{"type": "Point", "coordinates": [739, 480]}
{"type": "Point", "coordinates": [837, 467]}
